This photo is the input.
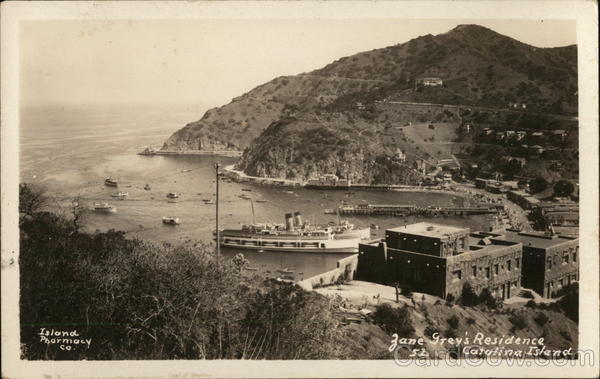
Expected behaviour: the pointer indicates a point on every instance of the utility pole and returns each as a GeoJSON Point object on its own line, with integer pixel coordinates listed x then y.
{"type": "Point", "coordinates": [217, 166]}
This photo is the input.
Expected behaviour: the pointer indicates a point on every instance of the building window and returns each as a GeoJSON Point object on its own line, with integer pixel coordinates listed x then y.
{"type": "Point", "coordinates": [487, 272]}
{"type": "Point", "coordinates": [560, 282]}
{"type": "Point", "coordinates": [508, 265]}
{"type": "Point", "coordinates": [496, 269]}
{"type": "Point", "coordinates": [566, 258]}
{"type": "Point", "coordinates": [517, 262]}
{"type": "Point", "coordinates": [474, 268]}
{"type": "Point", "coordinates": [574, 257]}
{"type": "Point", "coordinates": [549, 260]}
{"type": "Point", "coordinates": [457, 274]}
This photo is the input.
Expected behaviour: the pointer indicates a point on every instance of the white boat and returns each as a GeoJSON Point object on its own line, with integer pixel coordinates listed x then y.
{"type": "Point", "coordinates": [120, 195]}
{"type": "Point", "coordinates": [295, 236]}
{"type": "Point", "coordinates": [244, 196]}
{"type": "Point", "coordinates": [172, 195]}
{"type": "Point", "coordinates": [110, 182]}
{"type": "Point", "coordinates": [103, 208]}
{"type": "Point", "coordinates": [170, 220]}
{"type": "Point", "coordinates": [285, 270]}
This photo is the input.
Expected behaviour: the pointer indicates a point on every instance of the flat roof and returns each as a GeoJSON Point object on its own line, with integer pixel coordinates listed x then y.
{"type": "Point", "coordinates": [533, 239]}
{"type": "Point", "coordinates": [429, 229]}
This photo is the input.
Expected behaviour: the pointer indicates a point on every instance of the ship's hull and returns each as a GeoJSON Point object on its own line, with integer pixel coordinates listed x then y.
{"type": "Point", "coordinates": [292, 246]}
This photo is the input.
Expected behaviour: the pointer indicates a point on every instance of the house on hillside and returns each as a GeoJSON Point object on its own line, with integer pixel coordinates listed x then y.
{"type": "Point", "coordinates": [400, 156]}
{"type": "Point", "coordinates": [429, 82]}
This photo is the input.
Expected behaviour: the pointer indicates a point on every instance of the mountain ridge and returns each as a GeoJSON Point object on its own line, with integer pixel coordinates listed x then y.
{"type": "Point", "coordinates": [478, 67]}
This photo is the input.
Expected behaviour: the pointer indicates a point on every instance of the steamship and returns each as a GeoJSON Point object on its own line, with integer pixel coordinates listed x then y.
{"type": "Point", "coordinates": [295, 236]}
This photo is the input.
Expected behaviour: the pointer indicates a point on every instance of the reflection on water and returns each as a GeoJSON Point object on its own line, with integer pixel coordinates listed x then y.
{"type": "Point", "coordinates": [71, 153]}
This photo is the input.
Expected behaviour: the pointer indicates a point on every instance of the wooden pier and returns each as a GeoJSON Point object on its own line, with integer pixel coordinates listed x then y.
{"type": "Point", "coordinates": [412, 210]}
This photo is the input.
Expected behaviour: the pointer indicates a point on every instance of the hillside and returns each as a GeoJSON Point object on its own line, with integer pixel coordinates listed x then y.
{"type": "Point", "coordinates": [428, 314]}
{"type": "Point", "coordinates": [351, 116]}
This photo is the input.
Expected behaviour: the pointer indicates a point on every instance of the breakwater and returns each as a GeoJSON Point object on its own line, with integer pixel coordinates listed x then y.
{"type": "Point", "coordinates": [413, 210]}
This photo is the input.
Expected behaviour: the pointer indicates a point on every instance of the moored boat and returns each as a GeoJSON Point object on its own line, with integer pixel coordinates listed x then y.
{"type": "Point", "coordinates": [172, 195]}
{"type": "Point", "coordinates": [170, 220]}
{"type": "Point", "coordinates": [147, 187]}
{"type": "Point", "coordinates": [244, 196]}
{"type": "Point", "coordinates": [110, 182]}
{"type": "Point", "coordinates": [120, 195]}
{"type": "Point", "coordinates": [103, 208]}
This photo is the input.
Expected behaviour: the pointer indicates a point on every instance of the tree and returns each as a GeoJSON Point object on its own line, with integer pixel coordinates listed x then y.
{"type": "Point", "coordinates": [394, 320]}
{"type": "Point", "coordinates": [468, 297]}
{"type": "Point", "coordinates": [538, 185]}
{"type": "Point", "coordinates": [563, 188]}
{"type": "Point", "coordinates": [539, 220]}
{"type": "Point", "coordinates": [31, 198]}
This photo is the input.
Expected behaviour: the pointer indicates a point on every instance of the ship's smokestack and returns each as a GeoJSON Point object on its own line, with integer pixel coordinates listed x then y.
{"type": "Point", "coordinates": [289, 222]}
{"type": "Point", "coordinates": [297, 219]}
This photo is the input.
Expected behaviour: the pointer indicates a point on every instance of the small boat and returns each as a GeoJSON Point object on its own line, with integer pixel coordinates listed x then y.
{"type": "Point", "coordinates": [251, 268]}
{"type": "Point", "coordinates": [246, 189]}
{"type": "Point", "coordinates": [208, 201]}
{"type": "Point", "coordinates": [104, 208]}
{"type": "Point", "coordinates": [186, 170]}
{"type": "Point", "coordinates": [120, 195]}
{"type": "Point", "coordinates": [170, 220]}
{"type": "Point", "coordinates": [245, 197]}
{"type": "Point", "coordinates": [261, 200]}
{"type": "Point", "coordinates": [289, 192]}
{"type": "Point", "coordinates": [147, 187]}
{"type": "Point", "coordinates": [172, 195]}
{"type": "Point", "coordinates": [110, 182]}
{"type": "Point", "coordinates": [285, 270]}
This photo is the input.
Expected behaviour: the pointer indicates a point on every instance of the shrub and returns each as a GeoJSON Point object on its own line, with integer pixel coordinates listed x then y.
{"type": "Point", "coordinates": [394, 319]}
{"type": "Point", "coordinates": [453, 322]}
{"type": "Point", "coordinates": [569, 302]}
{"type": "Point", "coordinates": [565, 334]}
{"type": "Point", "coordinates": [450, 298]}
{"type": "Point", "coordinates": [541, 319]}
{"type": "Point", "coordinates": [485, 297]}
{"type": "Point", "coordinates": [538, 185]}
{"type": "Point", "coordinates": [450, 333]}
{"type": "Point", "coordinates": [518, 321]}
{"type": "Point", "coordinates": [430, 330]}
{"type": "Point", "coordinates": [468, 297]}
{"type": "Point", "coordinates": [563, 188]}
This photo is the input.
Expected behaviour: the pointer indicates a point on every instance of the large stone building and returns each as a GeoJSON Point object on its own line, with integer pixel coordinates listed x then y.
{"type": "Point", "coordinates": [549, 261]}
{"type": "Point", "coordinates": [440, 259]}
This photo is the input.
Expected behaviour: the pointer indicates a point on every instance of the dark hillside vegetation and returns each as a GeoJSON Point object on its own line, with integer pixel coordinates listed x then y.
{"type": "Point", "coordinates": [135, 300]}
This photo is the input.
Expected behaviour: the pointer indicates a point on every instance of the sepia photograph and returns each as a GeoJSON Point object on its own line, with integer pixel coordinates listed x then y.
{"type": "Point", "coordinates": [215, 187]}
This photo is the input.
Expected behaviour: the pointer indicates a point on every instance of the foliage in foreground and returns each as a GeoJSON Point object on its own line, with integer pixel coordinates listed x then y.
{"type": "Point", "coordinates": [140, 301]}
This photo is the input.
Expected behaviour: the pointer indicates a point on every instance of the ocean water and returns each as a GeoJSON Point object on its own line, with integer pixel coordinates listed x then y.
{"type": "Point", "coordinates": [70, 150]}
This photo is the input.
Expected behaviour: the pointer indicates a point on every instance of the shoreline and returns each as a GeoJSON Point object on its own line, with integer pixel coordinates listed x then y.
{"type": "Point", "coordinates": [226, 153]}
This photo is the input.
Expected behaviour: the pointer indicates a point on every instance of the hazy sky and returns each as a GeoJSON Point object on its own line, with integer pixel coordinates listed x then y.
{"type": "Point", "coordinates": [210, 61]}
